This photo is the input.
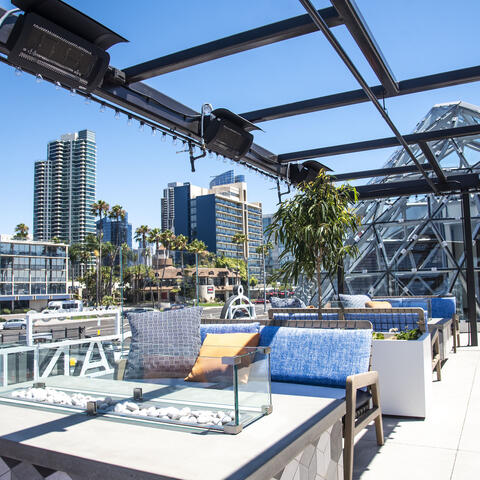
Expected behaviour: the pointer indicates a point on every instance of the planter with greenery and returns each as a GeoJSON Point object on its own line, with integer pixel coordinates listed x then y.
{"type": "Point", "coordinates": [313, 227]}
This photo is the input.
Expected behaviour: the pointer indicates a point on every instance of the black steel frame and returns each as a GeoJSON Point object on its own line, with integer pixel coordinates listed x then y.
{"type": "Point", "coordinates": [124, 89]}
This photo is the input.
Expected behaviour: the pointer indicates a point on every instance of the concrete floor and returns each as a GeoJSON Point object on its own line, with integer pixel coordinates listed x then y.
{"type": "Point", "coordinates": [444, 446]}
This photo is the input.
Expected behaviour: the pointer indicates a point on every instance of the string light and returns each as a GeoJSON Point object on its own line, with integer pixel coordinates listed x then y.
{"type": "Point", "coordinates": [73, 92]}
{"type": "Point", "coordinates": [117, 114]}
{"type": "Point", "coordinates": [141, 125]}
{"type": "Point", "coordinates": [174, 140]}
{"type": "Point", "coordinates": [18, 71]}
{"type": "Point", "coordinates": [38, 78]}
{"type": "Point", "coordinates": [58, 86]}
{"type": "Point", "coordinates": [102, 107]}
{"type": "Point", "coordinates": [164, 136]}
{"type": "Point", "coordinates": [129, 120]}
{"type": "Point", "coordinates": [154, 131]}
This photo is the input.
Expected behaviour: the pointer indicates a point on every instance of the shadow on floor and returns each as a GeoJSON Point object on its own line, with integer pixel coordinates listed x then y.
{"type": "Point", "coordinates": [366, 447]}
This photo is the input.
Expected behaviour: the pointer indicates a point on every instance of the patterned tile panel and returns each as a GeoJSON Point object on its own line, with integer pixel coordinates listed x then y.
{"type": "Point", "coordinates": [320, 460]}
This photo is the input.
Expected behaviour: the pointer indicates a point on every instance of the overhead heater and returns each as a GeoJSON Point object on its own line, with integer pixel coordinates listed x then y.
{"type": "Point", "coordinates": [43, 42]}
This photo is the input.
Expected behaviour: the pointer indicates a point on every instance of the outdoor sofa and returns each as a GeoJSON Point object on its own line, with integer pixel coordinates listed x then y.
{"type": "Point", "coordinates": [317, 359]}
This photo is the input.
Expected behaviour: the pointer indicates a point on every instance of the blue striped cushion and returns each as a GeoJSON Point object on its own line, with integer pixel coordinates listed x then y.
{"type": "Point", "coordinates": [313, 315]}
{"type": "Point", "coordinates": [383, 322]}
{"type": "Point", "coordinates": [252, 327]}
{"type": "Point", "coordinates": [316, 356]}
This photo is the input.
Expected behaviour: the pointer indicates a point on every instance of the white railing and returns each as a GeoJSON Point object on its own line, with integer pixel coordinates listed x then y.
{"type": "Point", "coordinates": [30, 319]}
{"type": "Point", "coordinates": [62, 348]}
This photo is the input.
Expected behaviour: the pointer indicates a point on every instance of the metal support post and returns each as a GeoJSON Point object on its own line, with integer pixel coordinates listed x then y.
{"type": "Point", "coordinates": [29, 330]}
{"type": "Point", "coordinates": [470, 273]}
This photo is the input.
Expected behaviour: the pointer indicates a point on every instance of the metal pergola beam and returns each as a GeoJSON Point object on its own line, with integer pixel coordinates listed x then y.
{"type": "Point", "coordinates": [378, 172]}
{"type": "Point", "coordinates": [387, 142]}
{"type": "Point", "coordinates": [352, 97]}
{"type": "Point", "coordinates": [364, 39]}
{"type": "Point", "coordinates": [427, 152]}
{"type": "Point", "coordinates": [454, 184]}
{"type": "Point", "coordinates": [323, 27]}
{"type": "Point", "coordinates": [240, 42]}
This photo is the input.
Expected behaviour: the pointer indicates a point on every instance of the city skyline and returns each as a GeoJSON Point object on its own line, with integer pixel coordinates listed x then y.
{"type": "Point", "coordinates": [133, 166]}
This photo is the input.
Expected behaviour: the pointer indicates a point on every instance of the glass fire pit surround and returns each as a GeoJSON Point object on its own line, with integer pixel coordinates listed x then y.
{"type": "Point", "coordinates": [225, 393]}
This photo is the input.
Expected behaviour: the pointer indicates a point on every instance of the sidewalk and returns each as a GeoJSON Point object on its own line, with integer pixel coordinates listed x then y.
{"type": "Point", "coordinates": [444, 446]}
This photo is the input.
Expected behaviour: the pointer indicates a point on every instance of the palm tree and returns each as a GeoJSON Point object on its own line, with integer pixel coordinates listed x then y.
{"type": "Point", "coordinates": [116, 213]}
{"type": "Point", "coordinates": [242, 239]}
{"type": "Point", "coordinates": [167, 239]}
{"type": "Point", "coordinates": [100, 209]}
{"type": "Point", "coordinates": [21, 232]}
{"type": "Point", "coordinates": [197, 247]}
{"type": "Point", "coordinates": [155, 236]}
{"type": "Point", "coordinates": [181, 244]}
{"type": "Point", "coordinates": [263, 251]}
{"type": "Point", "coordinates": [141, 234]}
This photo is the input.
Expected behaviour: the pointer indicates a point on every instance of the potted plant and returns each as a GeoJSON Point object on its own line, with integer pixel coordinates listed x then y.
{"type": "Point", "coordinates": [313, 227]}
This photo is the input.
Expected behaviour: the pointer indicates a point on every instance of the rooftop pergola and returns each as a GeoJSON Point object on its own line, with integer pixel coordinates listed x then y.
{"type": "Point", "coordinates": [64, 46]}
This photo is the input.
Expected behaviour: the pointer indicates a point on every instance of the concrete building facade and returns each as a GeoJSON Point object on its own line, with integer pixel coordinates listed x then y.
{"type": "Point", "coordinates": [64, 189]}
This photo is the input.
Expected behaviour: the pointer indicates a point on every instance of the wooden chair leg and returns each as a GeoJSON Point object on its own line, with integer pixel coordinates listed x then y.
{"type": "Point", "coordinates": [349, 433]}
{"type": "Point", "coordinates": [378, 419]}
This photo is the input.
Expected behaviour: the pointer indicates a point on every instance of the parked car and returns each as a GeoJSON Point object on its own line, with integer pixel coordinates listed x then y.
{"type": "Point", "coordinates": [15, 323]}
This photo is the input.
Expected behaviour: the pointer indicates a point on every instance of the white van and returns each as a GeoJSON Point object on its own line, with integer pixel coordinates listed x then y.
{"type": "Point", "coordinates": [64, 306]}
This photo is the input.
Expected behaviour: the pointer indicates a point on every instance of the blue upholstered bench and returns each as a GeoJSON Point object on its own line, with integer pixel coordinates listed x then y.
{"type": "Point", "coordinates": [313, 358]}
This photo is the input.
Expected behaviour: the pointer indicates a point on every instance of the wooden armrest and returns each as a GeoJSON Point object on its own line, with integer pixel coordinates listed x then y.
{"type": "Point", "coordinates": [119, 371]}
{"type": "Point", "coordinates": [360, 380]}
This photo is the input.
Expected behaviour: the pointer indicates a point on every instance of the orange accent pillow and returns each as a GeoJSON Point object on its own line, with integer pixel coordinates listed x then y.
{"type": "Point", "coordinates": [378, 304]}
{"type": "Point", "coordinates": [209, 366]}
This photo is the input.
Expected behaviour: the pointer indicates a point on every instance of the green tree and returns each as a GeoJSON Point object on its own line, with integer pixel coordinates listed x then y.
{"type": "Point", "coordinates": [242, 239]}
{"type": "Point", "coordinates": [100, 209]}
{"type": "Point", "coordinates": [181, 245]}
{"type": "Point", "coordinates": [21, 232]}
{"type": "Point", "coordinates": [313, 226]}
{"type": "Point", "coordinates": [78, 254]}
{"type": "Point", "coordinates": [196, 247]}
{"type": "Point", "coordinates": [155, 237]}
{"type": "Point", "coordinates": [263, 250]}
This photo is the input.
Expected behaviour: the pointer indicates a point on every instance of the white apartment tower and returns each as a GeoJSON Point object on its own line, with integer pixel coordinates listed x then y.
{"type": "Point", "coordinates": [64, 189]}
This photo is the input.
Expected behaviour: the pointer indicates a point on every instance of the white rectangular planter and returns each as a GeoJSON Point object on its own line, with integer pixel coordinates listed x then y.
{"type": "Point", "coordinates": [405, 375]}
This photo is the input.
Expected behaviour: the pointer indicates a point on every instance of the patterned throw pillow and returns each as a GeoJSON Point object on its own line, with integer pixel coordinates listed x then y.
{"type": "Point", "coordinates": [291, 302]}
{"type": "Point", "coordinates": [353, 301]}
{"type": "Point", "coordinates": [164, 344]}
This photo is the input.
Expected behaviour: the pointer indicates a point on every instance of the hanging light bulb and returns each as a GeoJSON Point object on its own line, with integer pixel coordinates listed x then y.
{"type": "Point", "coordinates": [154, 131]}
{"type": "Point", "coordinates": [129, 120]}
{"type": "Point", "coordinates": [164, 136]}
{"type": "Point", "coordinates": [73, 92]}
{"type": "Point", "coordinates": [88, 100]}
{"type": "Point", "coordinates": [38, 78]}
{"type": "Point", "coordinates": [18, 71]}
{"type": "Point", "coordinates": [102, 107]}
{"type": "Point", "coordinates": [174, 140]}
{"type": "Point", "coordinates": [117, 114]}
{"type": "Point", "coordinates": [58, 86]}
{"type": "Point", "coordinates": [140, 127]}
{"type": "Point", "coordinates": [224, 160]}
{"type": "Point", "coordinates": [210, 154]}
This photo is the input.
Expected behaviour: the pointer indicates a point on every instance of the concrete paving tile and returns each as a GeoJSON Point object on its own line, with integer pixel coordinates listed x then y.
{"type": "Point", "coordinates": [395, 461]}
{"type": "Point", "coordinates": [467, 466]}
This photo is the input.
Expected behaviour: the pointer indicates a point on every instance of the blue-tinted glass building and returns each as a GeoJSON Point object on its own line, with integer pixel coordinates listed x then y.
{"type": "Point", "coordinates": [215, 215]}
{"type": "Point", "coordinates": [226, 178]}
{"type": "Point", "coordinates": [116, 232]}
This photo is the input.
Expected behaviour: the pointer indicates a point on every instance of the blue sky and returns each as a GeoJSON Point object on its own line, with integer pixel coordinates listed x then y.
{"type": "Point", "coordinates": [417, 38]}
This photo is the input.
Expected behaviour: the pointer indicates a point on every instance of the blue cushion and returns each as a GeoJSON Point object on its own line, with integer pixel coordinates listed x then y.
{"type": "Point", "coordinates": [252, 327]}
{"type": "Point", "coordinates": [289, 302]}
{"type": "Point", "coordinates": [353, 301]}
{"type": "Point", "coordinates": [310, 315]}
{"type": "Point", "coordinates": [383, 322]}
{"type": "Point", "coordinates": [443, 307]}
{"type": "Point", "coordinates": [417, 302]}
{"type": "Point", "coordinates": [316, 356]}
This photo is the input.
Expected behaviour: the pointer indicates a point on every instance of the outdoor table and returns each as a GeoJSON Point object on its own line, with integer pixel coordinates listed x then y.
{"type": "Point", "coordinates": [302, 434]}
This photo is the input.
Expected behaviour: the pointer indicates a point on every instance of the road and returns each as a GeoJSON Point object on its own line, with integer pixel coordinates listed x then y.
{"type": "Point", "coordinates": [105, 326]}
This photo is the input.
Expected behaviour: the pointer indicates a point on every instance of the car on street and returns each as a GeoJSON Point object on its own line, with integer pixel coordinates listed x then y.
{"type": "Point", "coordinates": [15, 323]}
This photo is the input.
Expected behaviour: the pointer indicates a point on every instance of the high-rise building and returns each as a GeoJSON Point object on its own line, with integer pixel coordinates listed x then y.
{"type": "Point", "coordinates": [168, 207]}
{"type": "Point", "coordinates": [215, 215]}
{"type": "Point", "coordinates": [117, 232]}
{"type": "Point", "coordinates": [226, 178]}
{"type": "Point", "coordinates": [64, 189]}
